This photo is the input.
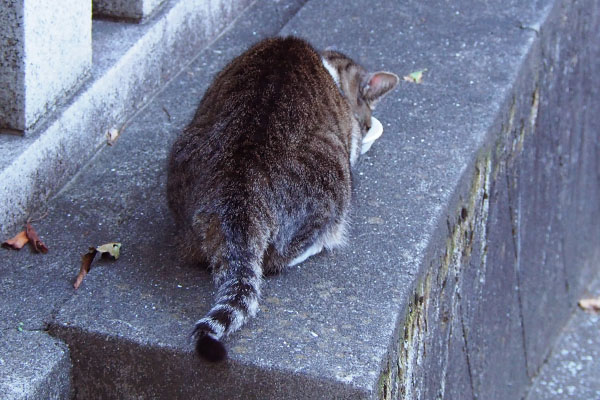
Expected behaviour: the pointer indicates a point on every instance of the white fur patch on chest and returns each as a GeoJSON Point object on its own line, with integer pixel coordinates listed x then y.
{"type": "Point", "coordinates": [332, 71]}
{"type": "Point", "coordinates": [354, 141]}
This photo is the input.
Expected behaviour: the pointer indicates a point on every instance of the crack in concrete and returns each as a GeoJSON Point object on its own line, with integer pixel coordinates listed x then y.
{"type": "Point", "coordinates": [515, 217]}
{"type": "Point", "coordinates": [517, 266]}
{"type": "Point", "coordinates": [515, 221]}
{"type": "Point", "coordinates": [20, 328]}
{"type": "Point", "coordinates": [467, 356]}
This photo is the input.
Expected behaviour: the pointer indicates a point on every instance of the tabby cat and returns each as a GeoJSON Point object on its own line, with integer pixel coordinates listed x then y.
{"type": "Point", "coordinates": [261, 178]}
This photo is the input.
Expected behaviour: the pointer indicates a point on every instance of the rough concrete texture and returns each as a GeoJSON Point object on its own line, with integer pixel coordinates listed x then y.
{"type": "Point", "coordinates": [46, 54]}
{"type": "Point", "coordinates": [495, 181]}
{"type": "Point", "coordinates": [472, 227]}
{"type": "Point", "coordinates": [130, 64]}
{"type": "Point", "coordinates": [571, 372]}
{"type": "Point", "coordinates": [136, 10]}
{"type": "Point", "coordinates": [33, 365]}
{"type": "Point", "coordinates": [12, 77]}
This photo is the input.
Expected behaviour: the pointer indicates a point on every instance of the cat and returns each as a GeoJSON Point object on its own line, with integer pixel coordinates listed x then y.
{"type": "Point", "coordinates": [261, 177]}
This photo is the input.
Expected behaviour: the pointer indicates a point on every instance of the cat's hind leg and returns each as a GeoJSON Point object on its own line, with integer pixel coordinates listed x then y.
{"type": "Point", "coordinates": [315, 248]}
{"type": "Point", "coordinates": [332, 237]}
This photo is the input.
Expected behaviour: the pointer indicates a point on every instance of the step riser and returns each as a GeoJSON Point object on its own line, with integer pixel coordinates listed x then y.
{"type": "Point", "coordinates": [127, 370]}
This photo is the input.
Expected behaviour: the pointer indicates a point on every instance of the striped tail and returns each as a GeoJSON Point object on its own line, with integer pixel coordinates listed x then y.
{"type": "Point", "coordinates": [237, 300]}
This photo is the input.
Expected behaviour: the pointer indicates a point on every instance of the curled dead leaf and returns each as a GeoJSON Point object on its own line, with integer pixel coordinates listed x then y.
{"type": "Point", "coordinates": [86, 264]}
{"type": "Point", "coordinates": [112, 135]}
{"type": "Point", "coordinates": [33, 237]}
{"type": "Point", "coordinates": [16, 242]}
{"type": "Point", "coordinates": [111, 250]}
{"type": "Point", "coordinates": [592, 304]}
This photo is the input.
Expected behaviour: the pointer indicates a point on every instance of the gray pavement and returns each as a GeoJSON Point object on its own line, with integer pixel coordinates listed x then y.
{"type": "Point", "coordinates": [472, 232]}
{"type": "Point", "coordinates": [572, 371]}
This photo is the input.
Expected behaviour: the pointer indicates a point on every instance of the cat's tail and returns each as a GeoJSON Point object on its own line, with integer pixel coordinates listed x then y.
{"type": "Point", "coordinates": [236, 301]}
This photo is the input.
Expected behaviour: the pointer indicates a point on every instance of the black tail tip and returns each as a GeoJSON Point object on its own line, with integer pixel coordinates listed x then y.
{"type": "Point", "coordinates": [210, 349]}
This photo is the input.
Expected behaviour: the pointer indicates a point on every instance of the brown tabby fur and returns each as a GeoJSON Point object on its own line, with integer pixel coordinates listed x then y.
{"type": "Point", "coordinates": [263, 172]}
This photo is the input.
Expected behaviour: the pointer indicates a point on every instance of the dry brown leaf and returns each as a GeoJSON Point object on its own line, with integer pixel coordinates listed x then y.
{"type": "Point", "coordinates": [16, 242]}
{"type": "Point", "coordinates": [86, 264]}
{"type": "Point", "coordinates": [32, 235]}
{"type": "Point", "coordinates": [592, 304]}
{"type": "Point", "coordinates": [110, 250]}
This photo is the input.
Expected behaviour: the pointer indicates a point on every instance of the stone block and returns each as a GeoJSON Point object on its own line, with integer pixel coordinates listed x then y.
{"type": "Point", "coordinates": [46, 53]}
{"type": "Point", "coordinates": [135, 10]}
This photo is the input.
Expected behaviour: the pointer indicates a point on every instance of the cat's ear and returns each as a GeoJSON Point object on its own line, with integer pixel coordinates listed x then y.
{"type": "Point", "coordinates": [377, 85]}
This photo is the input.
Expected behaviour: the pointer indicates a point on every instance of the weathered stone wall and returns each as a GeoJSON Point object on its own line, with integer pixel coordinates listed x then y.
{"type": "Point", "coordinates": [523, 240]}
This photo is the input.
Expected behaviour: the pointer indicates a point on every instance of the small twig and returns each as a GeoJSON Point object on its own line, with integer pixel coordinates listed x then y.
{"type": "Point", "coordinates": [35, 240]}
{"type": "Point", "coordinates": [30, 219]}
{"type": "Point", "coordinates": [167, 112]}
{"type": "Point", "coordinates": [527, 28]}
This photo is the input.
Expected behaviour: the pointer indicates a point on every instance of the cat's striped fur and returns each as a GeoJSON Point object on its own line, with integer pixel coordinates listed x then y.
{"type": "Point", "coordinates": [261, 178]}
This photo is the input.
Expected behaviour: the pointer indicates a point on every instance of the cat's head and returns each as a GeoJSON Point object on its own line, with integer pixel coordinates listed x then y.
{"type": "Point", "coordinates": [362, 89]}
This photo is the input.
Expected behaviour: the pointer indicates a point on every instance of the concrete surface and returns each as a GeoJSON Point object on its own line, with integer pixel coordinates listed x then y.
{"type": "Point", "coordinates": [46, 54]}
{"type": "Point", "coordinates": [572, 370]}
{"type": "Point", "coordinates": [136, 10]}
{"type": "Point", "coordinates": [130, 64]}
{"type": "Point", "coordinates": [33, 365]}
{"type": "Point", "coordinates": [473, 232]}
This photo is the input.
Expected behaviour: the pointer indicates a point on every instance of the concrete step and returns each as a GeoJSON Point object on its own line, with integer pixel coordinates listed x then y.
{"type": "Point", "coordinates": [130, 64]}
{"type": "Point", "coordinates": [473, 231]}
{"type": "Point", "coordinates": [572, 369]}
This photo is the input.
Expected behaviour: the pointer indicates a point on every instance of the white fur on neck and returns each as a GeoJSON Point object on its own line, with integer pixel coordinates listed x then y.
{"type": "Point", "coordinates": [332, 71]}
{"type": "Point", "coordinates": [355, 141]}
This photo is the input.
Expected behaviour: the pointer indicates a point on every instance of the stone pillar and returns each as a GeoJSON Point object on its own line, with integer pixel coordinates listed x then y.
{"type": "Point", "coordinates": [135, 10]}
{"type": "Point", "coordinates": [45, 53]}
